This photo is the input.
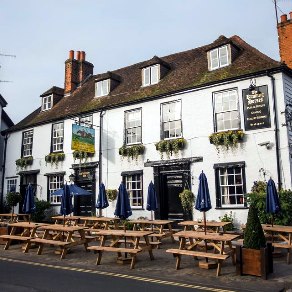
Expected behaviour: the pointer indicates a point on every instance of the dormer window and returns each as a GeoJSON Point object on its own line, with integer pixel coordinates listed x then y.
{"type": "Point", "coordinates": [219, 57]}
{"type": "Point", "coordinates": [102, 88]}
{"type": "Point", "coordinates": [151, 75]}
{"type": "Point", "coordinates": [47, 102]}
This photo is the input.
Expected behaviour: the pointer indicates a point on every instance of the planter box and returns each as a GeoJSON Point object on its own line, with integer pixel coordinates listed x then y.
{"type": "Point", "coordinates": [254, 262]}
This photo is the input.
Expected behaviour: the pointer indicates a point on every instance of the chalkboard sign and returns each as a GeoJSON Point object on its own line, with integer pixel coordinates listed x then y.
{"type": "Point", "coordinates": [256, 108]}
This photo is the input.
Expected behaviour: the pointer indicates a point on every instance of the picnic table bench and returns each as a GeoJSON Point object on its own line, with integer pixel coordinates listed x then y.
{"type": "Point", "coordinates": [214, 256]}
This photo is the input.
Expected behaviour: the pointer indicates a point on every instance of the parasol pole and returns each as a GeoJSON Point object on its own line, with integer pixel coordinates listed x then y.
{"type": "Point", "coordinates": [205, 227]}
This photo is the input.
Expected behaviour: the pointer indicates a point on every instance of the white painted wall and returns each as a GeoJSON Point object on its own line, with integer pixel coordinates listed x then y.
{"type": "Point", "coordinates": [197, 118]}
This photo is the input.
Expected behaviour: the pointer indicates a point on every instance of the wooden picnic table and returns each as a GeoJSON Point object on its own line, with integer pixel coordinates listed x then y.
{"type": "Point", "coordinates": [129, 238]}
{"type": "Point", "coordinates": [156, 226]}
{"type": "Point", "coordinates": [28, 233]}
{"type": "Point", "coordinates": [281, 237]}
{"type": "Point", "coordinates": [13, 217]}
{"type": "Point", "coordinates": [99, 222]}
{"type": "Point", "coordinates": [69, 220]}
{"type": "Point", "coordinates": [64, 237]}
{"type": "Point", "coordinates": [221, 243]}
{"type": "Point", "coordinates": [214, 226]}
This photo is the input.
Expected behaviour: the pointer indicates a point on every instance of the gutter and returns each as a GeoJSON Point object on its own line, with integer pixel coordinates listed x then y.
{"type": "Point", "coordinates": [3, 173]}
{"type": "Point", "coordinates": [277, 140]}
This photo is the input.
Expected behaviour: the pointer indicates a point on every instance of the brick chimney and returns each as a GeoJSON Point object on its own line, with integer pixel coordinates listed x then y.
{"type": "Point", "coordinates": [285, 39]}
{"type": "Point", "coordinates": [76, 71]}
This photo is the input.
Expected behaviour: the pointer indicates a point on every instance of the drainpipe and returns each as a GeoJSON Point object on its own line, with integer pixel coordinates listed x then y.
{"type": "Point", "coordinates": [102, 113]}
{"type": "Point", "coordinates": [276, 130]}
{"type": "Point", "coordinates": [3, 172]}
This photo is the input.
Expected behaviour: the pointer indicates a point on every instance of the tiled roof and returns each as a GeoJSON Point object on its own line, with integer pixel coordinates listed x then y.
{"type": "Point", "coordinates": [188, 70]}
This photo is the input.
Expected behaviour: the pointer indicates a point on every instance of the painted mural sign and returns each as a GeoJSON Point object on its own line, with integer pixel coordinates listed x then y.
{"type": "Point", "coordinates": [83, 139]}
{"type": "Point", "coordinates": [256, 108]}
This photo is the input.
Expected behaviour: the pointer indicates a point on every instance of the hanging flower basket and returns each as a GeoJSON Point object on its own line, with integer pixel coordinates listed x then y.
{"type": "Point", "coordinates": [227, 139]}
{"type": "Point", "coordinates": [23, 162]}
{"type": "Point", "coordinates": [170, 146]}
{"type": "Point", "coordinates": [132, 151]}
{"type": "Point", "coordinates": [111, 194]}
{"type": "Point", "coordinates": [54, 158]}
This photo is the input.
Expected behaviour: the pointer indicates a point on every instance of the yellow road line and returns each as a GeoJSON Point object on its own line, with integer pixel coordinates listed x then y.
{"type": "Point", "coordinates": [137, 278]}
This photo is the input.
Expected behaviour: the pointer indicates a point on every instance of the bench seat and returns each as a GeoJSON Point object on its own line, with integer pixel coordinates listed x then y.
{"type": "Point", "coordinates": [50, 241]}
{"type": "Point", "coordinates": [214, 256]}
{"type": "Point", "coordinates": [101, 249]}
{"type": "Point", "coordinates": [281, 245]}
{"type": "Point", "coordinates": [15, 237]}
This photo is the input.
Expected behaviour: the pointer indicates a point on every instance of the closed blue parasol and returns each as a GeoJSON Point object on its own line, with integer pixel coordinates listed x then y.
{"type": "Point", "coordinates": [66, 201]}
{"type": "Point", "coordinates": [203, 202]}
{"type": "Point", "coordinates": [29, 203]}
{"type": "Point", "coordinates": [151, 199]}
{"type": "Point", "coordinates": [123, 208]}
{"type": "Point", "coordinates": [101, 199]}
{"type": "Point", "coordinates": [272, 199]}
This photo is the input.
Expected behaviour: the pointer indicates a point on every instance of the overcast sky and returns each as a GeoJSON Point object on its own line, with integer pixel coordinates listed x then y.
{"type": "Point", "coordinates": [114, 34]}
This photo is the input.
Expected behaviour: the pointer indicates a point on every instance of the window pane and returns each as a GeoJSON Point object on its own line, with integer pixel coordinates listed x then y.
{"type": "Point", "coordinates": [231, 185]}
{"type": "Point", "coordinates": [214, 59]}
{"type": "Point", "coordinates": [154, 74]}
{"type": "Point", "coordinates": [134, 187]}
{"type": "Point", "coordinates": [146, 76]}
{"type": "Point", "coordinates": [27, 143]}
{"type": "Point", "coordinates": [55, 183]}
{"type": "Point", "coordinates": [57, 140]}
{"type": "Point", "coordinates": [223, 55]}
{"type": "Point", "coordinates": [133, 126]}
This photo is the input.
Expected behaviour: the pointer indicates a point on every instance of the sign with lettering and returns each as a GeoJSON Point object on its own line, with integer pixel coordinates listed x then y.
{"type": "Point", "coordinates": [256, 108]}
{"type": "Point", "coordinates": [83, 139]}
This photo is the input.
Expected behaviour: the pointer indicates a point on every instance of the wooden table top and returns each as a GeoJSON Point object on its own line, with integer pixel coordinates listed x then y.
{"type": "Point", "coordinates": [201, 223]}
{"type": "Point", "coordinates": [208, 236]}
{"type": "Point", "coordinates": [60, 227]}
{"type": "Point", "coordinates": [99, 219]}
{"type": "Point", "coordinates": [60, 217]}
{"type": "Point", "coordinates": [128, 233]}
{"type": "Point", "coordinates": [277, 228]}
{"type": "Point", "coordinates": [26, 224]}
{"type": "Point", "coordinates": [154, 222]}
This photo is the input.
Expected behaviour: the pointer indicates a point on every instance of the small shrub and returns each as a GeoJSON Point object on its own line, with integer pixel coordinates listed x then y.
{"type": "Point", "coordinates": [12, 199]}
{"type": "Point", "coordinates": [227, 218]}
{"type": "Point", "coordinates": [40, 207]}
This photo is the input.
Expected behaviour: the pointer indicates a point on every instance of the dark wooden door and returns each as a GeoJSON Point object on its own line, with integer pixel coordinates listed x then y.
{"type": "Point", "coordinates": [84, 205]}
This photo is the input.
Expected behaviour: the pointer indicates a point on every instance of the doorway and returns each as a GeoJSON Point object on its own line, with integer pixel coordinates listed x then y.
{"type": "Point", "coordinates": [85, 205]}
{"type": "Point", "coordinates": [170, 181]}
{"type": "Point", "coordinates": [25, 180]}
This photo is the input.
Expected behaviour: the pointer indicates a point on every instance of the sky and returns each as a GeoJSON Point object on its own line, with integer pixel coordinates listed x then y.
{"type": "Point", "coordinates": [115, 34]}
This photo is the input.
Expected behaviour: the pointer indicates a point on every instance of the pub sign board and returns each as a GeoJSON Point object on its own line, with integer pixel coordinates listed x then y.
{"type": "Point", "coordinates": [83, 138]}
{"type": "Point", "coordinates": [256, 108]}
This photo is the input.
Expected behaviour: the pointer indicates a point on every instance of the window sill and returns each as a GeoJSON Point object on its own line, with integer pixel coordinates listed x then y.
{"type": "Point", "coordinates": [137, 209]}
{"type": "Point", "coordinates": [232, 208]}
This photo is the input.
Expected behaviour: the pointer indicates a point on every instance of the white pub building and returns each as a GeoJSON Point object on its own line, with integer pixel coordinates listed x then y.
{"type": "Point", "coordinates": [222, 108]}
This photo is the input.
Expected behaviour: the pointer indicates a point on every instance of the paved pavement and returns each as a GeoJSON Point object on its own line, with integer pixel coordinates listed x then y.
{"type": "Point", "coordinates": [162, 267]}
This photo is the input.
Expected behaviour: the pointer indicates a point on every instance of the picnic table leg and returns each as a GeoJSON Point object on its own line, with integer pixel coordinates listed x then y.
{"type": "Point", "coordinates": [150, 247]}
{"type": "Point", "coordinates": [178, 260]}
{"type": "Point", "coordinates": [64, 252]}
{"type": "Point", "coordinates": [7, 244]}
{"type": "Point", "coordinates": [99, 256]}
{"type": "Point", "coordinates": [171, 232]}
{"type": "Point", "coordinates": [40, 249]}
{"type": "Point", "coordinates": [219, 268]}
{"type": "Point", "coordinates": [133, 261]}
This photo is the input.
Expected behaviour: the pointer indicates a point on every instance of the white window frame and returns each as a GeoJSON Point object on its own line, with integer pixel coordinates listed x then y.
{"type": "Point", "coordinates": [11, 184]}
{"type": "Point", "coordinates": [151, 73]}
{"type": "Point", "coordinates": [219, 58]}
{"type": "Point", "coordinates": [27, 143]}
{"type": "Point", "coordinates": [55, 182]}
{"type": "Point", "coordinates": [102, 88]}
{"type": "Point", "coordinates": [226, 105]}
{"type": "Point", "coordinates": [57, 137]}
{"type": "Point", "coordinates": [133, 127]}
{"type": "Point", "coordinates": [167, 121]}
{"type": "Point", "coordinates": [47, 102]}
{"type": "Point", "coordinates": [225, 186]}
{"type": "Point", "coordinates": [135, 192]}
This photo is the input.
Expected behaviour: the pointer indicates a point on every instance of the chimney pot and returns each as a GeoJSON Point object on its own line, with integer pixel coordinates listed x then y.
{"type": "Point", "coordinates": [290, 14]}
{"type": "Point", "coordinates": [71, 54]}
{"type": "Point", "coordinates": [78, 55]}
{"type": "Point", "coordinates": [283, 17]}
{"type": "Point", "coordinates": [82, 57]}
